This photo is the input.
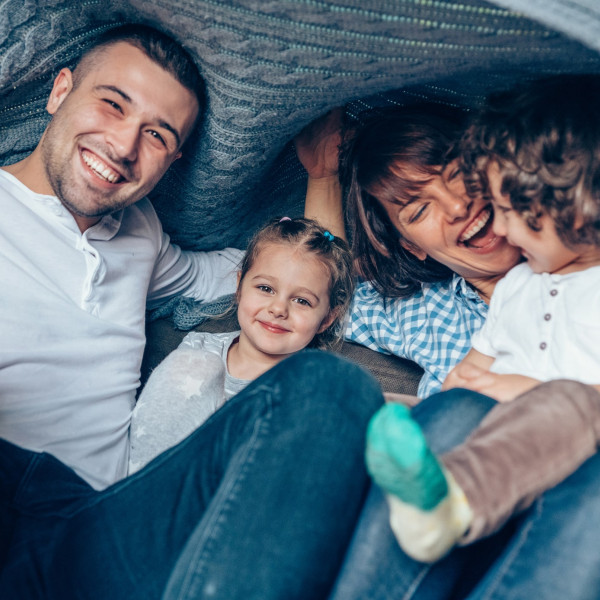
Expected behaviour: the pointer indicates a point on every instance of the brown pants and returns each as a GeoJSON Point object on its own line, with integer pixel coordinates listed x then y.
{"type": "Point", "coordinates": [523, 448]}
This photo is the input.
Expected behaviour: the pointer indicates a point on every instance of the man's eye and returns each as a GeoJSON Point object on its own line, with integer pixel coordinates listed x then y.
{"type": "Point", "coordinates": [157, 136]}
{"type": "Point", "coordinates": [112, 104]}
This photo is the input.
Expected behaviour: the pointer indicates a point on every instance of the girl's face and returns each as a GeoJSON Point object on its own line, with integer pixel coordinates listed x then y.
{"type": "Point", "coordinates": [544, 250]}
{"type": "Point", "coordinates": [455, 230]}
{"type": "Point", "coordinates": [283, 301]}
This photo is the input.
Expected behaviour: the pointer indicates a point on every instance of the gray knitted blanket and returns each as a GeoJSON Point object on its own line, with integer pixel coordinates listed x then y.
{"type": "Point", "coordinates": [272, 66]}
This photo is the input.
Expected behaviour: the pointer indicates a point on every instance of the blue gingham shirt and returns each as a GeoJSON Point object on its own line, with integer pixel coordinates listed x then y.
{"type": "Point", "coordinates": [432, 328]}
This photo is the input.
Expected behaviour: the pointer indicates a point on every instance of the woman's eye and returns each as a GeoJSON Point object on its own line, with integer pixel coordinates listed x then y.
{"type": "Point", "coordinates": [418, 213]}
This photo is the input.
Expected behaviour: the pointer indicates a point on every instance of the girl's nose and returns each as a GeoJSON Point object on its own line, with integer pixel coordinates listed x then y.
{"type": "Point", "coordinates": [278, 307]}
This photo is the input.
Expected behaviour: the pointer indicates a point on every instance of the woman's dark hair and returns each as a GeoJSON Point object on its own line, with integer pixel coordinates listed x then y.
{"type": "Point", "coordinates": [545, 138]}
{"type": "Point", "coordinates": [378, 164]}
{"type": "Point", "coordinates": [334, 254]}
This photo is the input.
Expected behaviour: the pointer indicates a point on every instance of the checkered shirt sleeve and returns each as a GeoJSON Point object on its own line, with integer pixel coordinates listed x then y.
{"type": "Point", "coordinates": [433, 328]}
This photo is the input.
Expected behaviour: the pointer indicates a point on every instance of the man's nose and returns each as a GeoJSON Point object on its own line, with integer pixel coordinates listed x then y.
{"type": "Point", "coordinates": [124, 139]}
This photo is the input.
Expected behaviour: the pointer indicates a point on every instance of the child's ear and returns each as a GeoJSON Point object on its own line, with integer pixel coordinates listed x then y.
{"type": "Point", "coordinates": [328, 320]}
{"type": "Point", "coordinates": [237, 287]}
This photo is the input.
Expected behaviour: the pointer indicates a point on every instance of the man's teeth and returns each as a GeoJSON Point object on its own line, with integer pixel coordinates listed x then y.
{"type": "Point", "coordinates": [100, 169]}
{"type": "Point", "coordinates": [477, 226]}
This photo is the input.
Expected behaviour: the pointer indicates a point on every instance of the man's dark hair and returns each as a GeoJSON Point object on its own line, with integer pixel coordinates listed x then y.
{"type": "Point", "coordinates": [156, 45]}
{"type": "Point", "coordinates": [378, 165]}
{"type": "Point", "coordinates": [545, 138]}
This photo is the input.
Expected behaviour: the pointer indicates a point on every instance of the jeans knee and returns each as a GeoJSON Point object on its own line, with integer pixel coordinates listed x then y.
{"type": "Point", "coordinates": [324, 381]}
{"type": "Point", "coordinates": [447, 418]}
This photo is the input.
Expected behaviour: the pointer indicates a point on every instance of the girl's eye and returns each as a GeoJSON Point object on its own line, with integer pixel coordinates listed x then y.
{"type": "Point", "coordinates": [264, 288]}
{"type": "Point", "coordinates": [302, 301]}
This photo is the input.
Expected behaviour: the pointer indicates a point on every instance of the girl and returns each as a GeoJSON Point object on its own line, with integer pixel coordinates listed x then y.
{"type": "Point", "coordinates": [534, 153]}
{"type": "Point", "coordinates": [294, 287]}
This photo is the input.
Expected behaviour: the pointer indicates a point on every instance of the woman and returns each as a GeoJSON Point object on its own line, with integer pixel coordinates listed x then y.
{"type": "Point", "coordinates": [431, 261]}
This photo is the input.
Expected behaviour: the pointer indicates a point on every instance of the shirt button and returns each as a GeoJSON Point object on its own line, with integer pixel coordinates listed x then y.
{"type": "Point", "coordinates": [547, 317]}
{"type": "Point", "coordinates": [543, 346]}
{"type": "Point", "coordinates": [553, 292]}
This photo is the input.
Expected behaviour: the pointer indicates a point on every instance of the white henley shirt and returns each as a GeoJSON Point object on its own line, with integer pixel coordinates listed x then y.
{"type": "Point", "coordinates": [544, 326]}
{"type": "Point", "coordinates": [72, 322]}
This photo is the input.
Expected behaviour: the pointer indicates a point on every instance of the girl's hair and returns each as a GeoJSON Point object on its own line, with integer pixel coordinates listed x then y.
{"type": "Point", "coordinates": [334, 254]}
{"type": "Point", "coordinates": [545, 138]}
{"type": "Point", "coordinates": [390, 158]}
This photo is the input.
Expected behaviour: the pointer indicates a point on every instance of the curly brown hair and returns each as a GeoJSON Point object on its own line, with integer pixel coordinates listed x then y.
{"type": "Point", "coordinates": [544, 136]}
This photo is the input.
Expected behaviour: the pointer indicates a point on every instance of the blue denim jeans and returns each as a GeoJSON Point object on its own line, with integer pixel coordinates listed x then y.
{"type": "Point", "coordinates": [551, 551]}
{"type": "Point", "coordinates": [258, 503]}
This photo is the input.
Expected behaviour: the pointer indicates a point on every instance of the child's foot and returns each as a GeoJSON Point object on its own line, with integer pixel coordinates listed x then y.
{"type": "Point", "coordinates": [429, 512]}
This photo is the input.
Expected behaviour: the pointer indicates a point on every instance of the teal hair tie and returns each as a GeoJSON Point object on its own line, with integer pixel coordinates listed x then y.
{"type": "Point", "coordinates": [328, 235]}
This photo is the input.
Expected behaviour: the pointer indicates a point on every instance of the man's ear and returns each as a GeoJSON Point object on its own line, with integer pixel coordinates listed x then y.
{"type": "Point", "coordinates": [63, 84]}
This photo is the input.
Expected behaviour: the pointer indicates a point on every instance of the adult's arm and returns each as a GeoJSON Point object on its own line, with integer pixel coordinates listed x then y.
{"type": "Point", "coordinates": [317, 147]}
{"type": "Point", "coordinates": [199, 275]}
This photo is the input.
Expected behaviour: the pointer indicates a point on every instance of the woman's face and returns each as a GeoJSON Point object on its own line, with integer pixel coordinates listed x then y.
{"type": "Point", "coordinates": [455, 230]}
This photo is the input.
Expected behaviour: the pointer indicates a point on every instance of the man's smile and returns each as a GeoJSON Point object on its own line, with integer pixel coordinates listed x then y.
{"type": "Point", "coordinates": [100, 168]}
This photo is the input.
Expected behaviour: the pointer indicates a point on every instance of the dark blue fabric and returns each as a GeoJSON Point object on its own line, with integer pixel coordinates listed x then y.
{"type": "Point", "coordinates": [258, 503]}
{"type": "Point", "coordinates": [271, 67]}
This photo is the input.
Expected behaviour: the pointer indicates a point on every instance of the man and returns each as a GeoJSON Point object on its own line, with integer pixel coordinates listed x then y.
{"type": "Point", "coordinates": [255, 503]}
{"type": "Point", "coordinates": [82, 252]}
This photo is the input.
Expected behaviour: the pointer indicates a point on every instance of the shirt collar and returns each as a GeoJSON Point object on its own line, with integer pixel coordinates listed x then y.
{"type": "Point", "coordinates": [463, 290]}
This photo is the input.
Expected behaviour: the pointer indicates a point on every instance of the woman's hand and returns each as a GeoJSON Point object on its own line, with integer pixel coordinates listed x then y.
{"type": "Point", "coordinates": [317, 147]}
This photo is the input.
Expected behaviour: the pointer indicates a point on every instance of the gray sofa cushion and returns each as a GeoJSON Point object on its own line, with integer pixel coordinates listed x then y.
{"type": "Point", "coordinates": [394, 374]}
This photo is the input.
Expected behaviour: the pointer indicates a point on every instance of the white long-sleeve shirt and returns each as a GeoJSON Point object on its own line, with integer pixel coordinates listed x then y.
{"type": "Point", "coordinates": [72, 310]}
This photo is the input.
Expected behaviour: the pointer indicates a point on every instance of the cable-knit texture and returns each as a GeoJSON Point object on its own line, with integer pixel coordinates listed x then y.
{"type": "Point", "coordinates": [272, 66]}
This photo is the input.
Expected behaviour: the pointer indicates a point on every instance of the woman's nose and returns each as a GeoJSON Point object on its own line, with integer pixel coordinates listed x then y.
{"type": "Point", "coordinates": [456, 206]}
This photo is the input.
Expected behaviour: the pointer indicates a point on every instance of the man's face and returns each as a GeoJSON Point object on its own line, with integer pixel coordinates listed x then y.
{"type": "Point", "coordinates": [447, 225]}
{"type": "Point", "coordinates": [114, 135]}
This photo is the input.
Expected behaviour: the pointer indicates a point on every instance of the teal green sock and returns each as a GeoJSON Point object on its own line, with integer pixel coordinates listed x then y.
{"type": "Point", "coordinates": [429, 512]}
{"type": "Point", "coordinates": [400, 461]}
